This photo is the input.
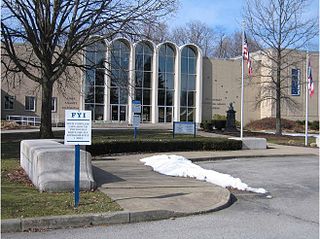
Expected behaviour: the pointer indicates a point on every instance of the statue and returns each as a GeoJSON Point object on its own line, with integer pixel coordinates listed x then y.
{"type": "Point", "coordinates": [231, 119]}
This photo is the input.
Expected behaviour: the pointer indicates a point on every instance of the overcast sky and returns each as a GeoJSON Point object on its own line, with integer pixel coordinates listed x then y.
{"type": "Point", "coordinates": [223, 13]}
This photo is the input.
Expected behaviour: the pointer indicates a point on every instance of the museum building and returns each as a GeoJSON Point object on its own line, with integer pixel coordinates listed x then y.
{"type": "Point", "coordinates": [172, 83]}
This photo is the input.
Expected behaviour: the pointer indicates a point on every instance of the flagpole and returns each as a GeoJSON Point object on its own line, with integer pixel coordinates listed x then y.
{"type": "Point", "coordinates": [242, 93]}
{"type": "Point", "coordinates": [307, 101]}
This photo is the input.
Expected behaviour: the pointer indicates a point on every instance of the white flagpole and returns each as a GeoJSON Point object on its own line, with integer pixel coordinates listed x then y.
{"type": "Point", "coordinates": [307, 101]}
{"type": "Point", "coordinates": [242, 100]}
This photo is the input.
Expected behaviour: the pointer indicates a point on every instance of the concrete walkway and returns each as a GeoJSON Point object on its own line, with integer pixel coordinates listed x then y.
{"type": "Point", "coordinates": [146, 195]}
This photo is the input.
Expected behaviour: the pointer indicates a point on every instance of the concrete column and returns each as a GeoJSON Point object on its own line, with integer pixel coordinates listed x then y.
{"type": "Point", "coordinates": [131, 82]}
{"type": "Point", "coordinates": [107, 83]}
{"type": "Point", "coordinates": [177, 85]}
{"type": "Point", "coordinates": [154, 86]}
{"type": "Point", "coordinates": [199, 87]}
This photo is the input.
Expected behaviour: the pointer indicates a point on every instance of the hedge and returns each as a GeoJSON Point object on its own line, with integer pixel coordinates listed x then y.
{"type": "Point", "coordinates": [153, 145]}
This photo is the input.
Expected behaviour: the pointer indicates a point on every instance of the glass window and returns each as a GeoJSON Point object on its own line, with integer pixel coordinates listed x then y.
{"type": "Point", "coordinates": [114, 112]}
{"type": "Point", "coordinates": [147, 80]}
{"type": "Point", "coordinates": [98, 112]}
{"type": "Point", "coordinates": [8, 102]}
{"type": "Point", "coordinates": [146, 116]}
{"type": "Point", "coordinates": [162, 62]}
{"type": "Point", "coordinates": [184, 82]}
{"type": "Point", "coordinates": [191, 82]}
{"type": "Point", "coordinates": [183, 98]}
{"type": "Point", "coordinates": [54, 104]}
{"type": "Point", "coordinates": [139, 78]}
{"type": "Point", "coordinates": [183, 114]}
{"type": "Point", "coordinates": [191, 96]}
{"type": "Point", "coordinates": [123, 113]}
{"type": "Point", "coordinates": [184, 65]}
{"type": "Point", "coordinates": [139, 62]}
{"type": "Point", "coordinates": [99, 95]}
{"type": "Point", "coordinates": [100, 77]}
{"type": "Point", "coordinates": [114, 96]}
{"type": "Point", "coordinates": [169, 114]}
{"type": "Point", "coordinates": [169, 98]}
{"type": "Point", "coordinates": [169, 64]}
{"type": "Point", "coordinates": [295, 82]}
{"type": "Point", "coordinates": [138, 94]}
{"type": "Point", "coordinates": [30, 103]}
{"type": "Point", "coordinates": [192, 65]}
{"type": "Point", "coordinates": [161, 80]}
{"type": "Point", "coordinates": [89, 94]}
{"type": "Point", "coordinates": [146, 97]}
{"type": "Point", "coordinates": [123, 96]}
{"type": "Point", "coordinates": [170, 81]}
{"type": "Point", "coordinates": [190, 114]}
{"type": "Point", "coordinates": [161, 97]}
{"type": "Point", "coordinates": [161, 114]}
{"type": "Point", "coordinates": [147, 63]}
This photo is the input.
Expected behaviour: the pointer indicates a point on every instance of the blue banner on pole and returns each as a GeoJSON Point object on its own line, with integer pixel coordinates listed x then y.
{"type": "Point", "coordinates": [77, 176]}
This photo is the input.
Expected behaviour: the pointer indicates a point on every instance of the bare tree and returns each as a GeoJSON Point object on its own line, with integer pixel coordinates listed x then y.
{"type": "Point", "coordinates": [281, 28]}
{"type": "Point", "coordinates": [229, 45]}
{"type": "Point", "coordinates": [195, 32]}
{"type": "Point", "coordinates": [54, 32]}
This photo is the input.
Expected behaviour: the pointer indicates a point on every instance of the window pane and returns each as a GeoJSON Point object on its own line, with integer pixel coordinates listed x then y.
{"type": "Point", "coordinates": [146, 113]}
{"type": "Point", "coordinates": [139, 77]}
{"type": "Point", "coordinates": [169, 64]}
{"type": "Point", "coordinates": [114, 112]}
{"type": "Point", "coordinates": [54, 104]}
{"type": "Point", "coordinates": [191, 100]}
{"type": "Point", "coordinates": [169, 81]}
{"type": "Point", "coordinates": [98, 112]}
{"type": "Point", "coordinates": [192, 65]}
{"type": "Point", "coordinates": [161, 80]}
{"type": "Point", "coordinates": [190, 114]}
{"type": "Point", "coordinates": [184, 52]}
{"type": "Point", "coordinates": [123, 113]}
{"type": "Point", "coordinates": [295, 82]}
{"type": "Point", "coordinates": [169, 114]}
{"type": "Point", "coordinates": [147, 80]}
{"type": "Point", "coordinates": [184, 82]}
{"type": "Point", "coordinates": [147, 63]}
{"type": "Point", "coordinates": [90, 77]}
{"type": "Point", "coordinates": [161, 114]}
{"type": "Point", "coordinates": [192, 82]}
{"type": "Point", "coordinates": [30, 103]}
{"type": "Point", "coordinates": [124, 60]}
{"type": "Point", "coordinates": [8, 102]}
{"type": "Point", "coordinates": [114, 96]}
{"type": "Point", "coordinates": [89, 94]}
{"type": "Point", "coordinates": [183, 114]}
{"type": "Point", "coordinates": [99, 77]}
{"type": "Point", "coordinates": [147, 49]}
{"type": "Point", "coordinates": [138, 94]}
{"type": "Point", "coordinates": [146, 97]}
{"type": "Point", "coordinates": [139, 62]}
{"type": "Point", "coordinates": [161, 64]}
{"type": "Point", "coordinates": [183, 98]}
{"type": "Point", "coordinates": [161, 97]}
{"type": "Point", "coordinates": [191, 52]}
{"type": "Point", "coordinates": [99, 97]}
{"type": "Point", "coordinates": [123, 96]}
{"type": "Point", "coordinates": [169, 95]}
{"type": "Point", "coordinates": [184, 65]}
{"type": "Point", "coordinates": [169, 51]}
{"type": "Point", "coordinates": [124, 78]}
{"type": "Point", "coordinates": [89, 107]}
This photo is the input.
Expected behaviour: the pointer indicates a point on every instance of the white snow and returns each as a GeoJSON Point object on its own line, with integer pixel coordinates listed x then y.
{"type": "Point", "coordinates": [174, 165]}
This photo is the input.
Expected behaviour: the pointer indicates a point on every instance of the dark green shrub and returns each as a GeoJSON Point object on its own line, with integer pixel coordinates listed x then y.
{"type": "Point", "coordinates": [207, 126]}
{"type": "Point", "coordinates": [219, 117]}
{"type": "Point", "coordinates": [314, 125]}
{"type": "Point", "coordinates": [219, 124]}
{"type": "Point", "coordinates": [129, 146]}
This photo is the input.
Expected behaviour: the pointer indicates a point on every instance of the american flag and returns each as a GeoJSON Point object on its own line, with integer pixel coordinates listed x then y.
{"type": "Point", "coordinates": [310, 81]}
{"type": "Point", "coordinates": [246, 55]}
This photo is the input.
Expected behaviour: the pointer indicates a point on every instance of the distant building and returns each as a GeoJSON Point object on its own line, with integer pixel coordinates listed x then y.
{"type": "Point", "coordinates": [172, 83]}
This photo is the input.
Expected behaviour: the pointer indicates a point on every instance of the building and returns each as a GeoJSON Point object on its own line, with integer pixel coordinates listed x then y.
{"type": "Point", "coordinates": [173, 83]}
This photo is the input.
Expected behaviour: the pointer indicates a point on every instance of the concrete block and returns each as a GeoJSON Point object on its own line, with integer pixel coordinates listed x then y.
{"type": "Point", "coordinates": [50, 166]}
{"type": "Point", "coordinates": [317, 141]}
{"type": "Point", "coordinates": [111, 218]}
{"type": "Point", "coordinates": [11, 225]}
{"type": "Point", "coordinates": [252, 143]}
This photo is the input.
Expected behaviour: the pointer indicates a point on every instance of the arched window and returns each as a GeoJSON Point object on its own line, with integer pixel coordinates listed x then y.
{"type": "Point", "coordinates": [120, 53]}
{"type": "Point", "coordinates": [143, 76]}
{"type": "Point", "coordinates": [166, 83]}
{"type": "Point", "coordinates": [94, 79]}
{"type": "Point", "coordinates": [188, 84]}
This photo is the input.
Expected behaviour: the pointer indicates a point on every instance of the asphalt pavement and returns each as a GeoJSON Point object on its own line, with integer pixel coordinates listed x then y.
{"type": "Point", "coordinates": [146, 195]}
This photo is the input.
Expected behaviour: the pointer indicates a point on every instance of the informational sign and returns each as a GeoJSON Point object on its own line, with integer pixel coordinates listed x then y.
{"type": "Point", "coordinates": [136, 106]}
{"type": "Point", "coordinates": [77, 127]}
{"type": "Point", "coordinates": [184, 128]}
{"type": "Point", "coordinates": [136, 121]}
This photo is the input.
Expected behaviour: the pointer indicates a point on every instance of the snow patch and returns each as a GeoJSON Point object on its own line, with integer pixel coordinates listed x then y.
{"type": "Point", "coordinates": [174, 165]}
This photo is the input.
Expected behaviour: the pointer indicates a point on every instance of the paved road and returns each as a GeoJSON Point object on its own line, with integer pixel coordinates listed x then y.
{"type": "Point", "coordinates": [293, 212]}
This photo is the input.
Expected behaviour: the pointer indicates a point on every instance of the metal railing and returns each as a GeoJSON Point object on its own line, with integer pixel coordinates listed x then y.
{"type": "Point", "coordinates": [24, 119]}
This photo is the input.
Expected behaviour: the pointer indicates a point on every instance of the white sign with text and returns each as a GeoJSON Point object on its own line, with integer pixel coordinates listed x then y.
{"type": "Point", "coordinates": [77, 127]}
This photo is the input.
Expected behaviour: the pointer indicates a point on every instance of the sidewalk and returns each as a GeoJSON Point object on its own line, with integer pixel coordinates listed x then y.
{"type": "Point", "coordinates": [146, 195]}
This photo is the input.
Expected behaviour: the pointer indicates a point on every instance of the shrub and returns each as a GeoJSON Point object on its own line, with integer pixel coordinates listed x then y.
{"type": "Point", "coordinates": [154, 145]}
{"type": "Point", "coordinates": [219, 117]}
{"type": "Point", "coordinates": [206, 126]}
{"type": "Point", "coordinates": [270, 124]}
{"type": "Point", "coordinates": [314, 125]}
{"type": "Point", "coordinates": [219, 124]}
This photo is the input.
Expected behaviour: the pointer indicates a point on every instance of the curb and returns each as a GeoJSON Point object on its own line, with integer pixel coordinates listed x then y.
{"type": "Point", "coordinates": [217, 158]}
{"type": "Point", "coordinates": [85, 220]}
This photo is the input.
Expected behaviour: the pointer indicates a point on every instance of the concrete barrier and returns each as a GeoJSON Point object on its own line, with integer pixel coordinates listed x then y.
{"type": "Point", "coordinates": [253, 143]}
{"type": "Point", "coordinates": [50, 166]}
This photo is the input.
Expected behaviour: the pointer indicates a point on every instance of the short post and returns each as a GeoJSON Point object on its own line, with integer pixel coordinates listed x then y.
{"type": "Point", "coordinates": [77, 176]}
{"type": "Point", "coordinates": [135, 133]}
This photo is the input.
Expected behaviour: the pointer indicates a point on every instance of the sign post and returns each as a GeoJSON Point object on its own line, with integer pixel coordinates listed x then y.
{"type": "Point", "coordinates": [77, 132]}
{"type": "Point", "coordinates": [136, 110]}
